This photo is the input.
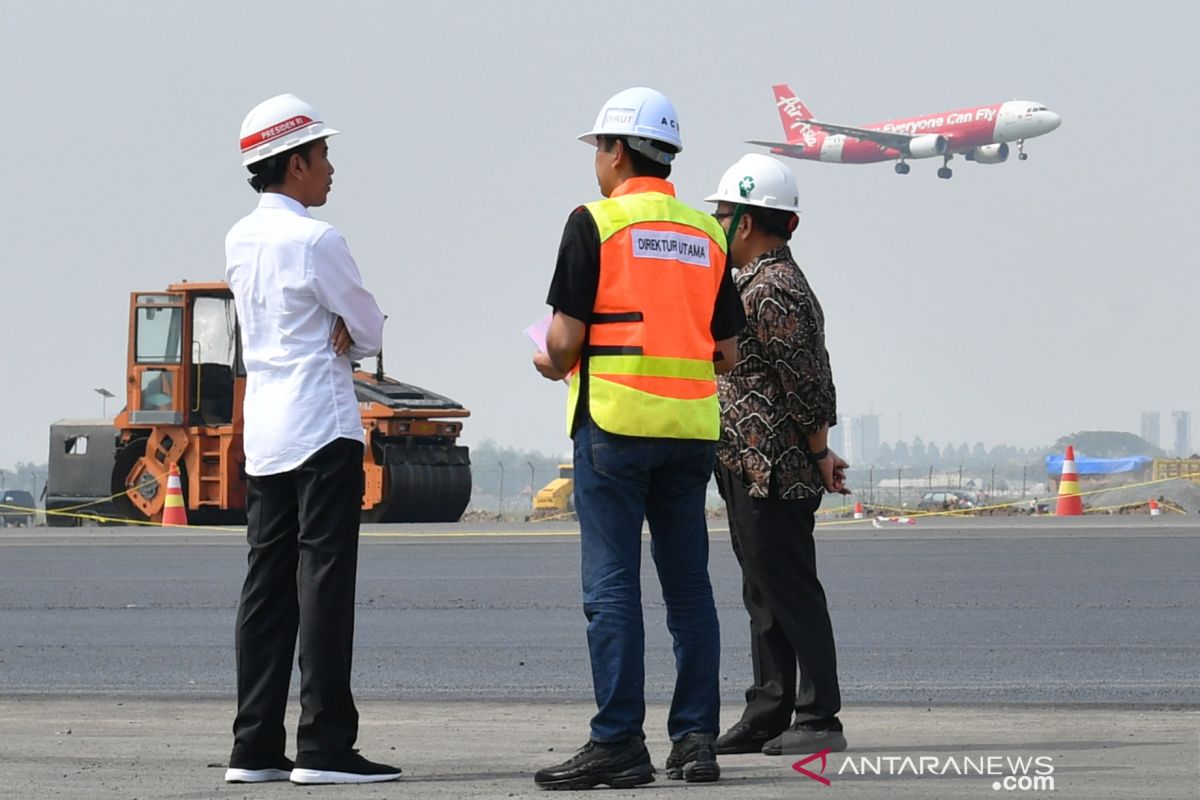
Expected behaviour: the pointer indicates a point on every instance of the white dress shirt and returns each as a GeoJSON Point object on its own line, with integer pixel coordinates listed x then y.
{"type": "Point", "coordinates": [292, 276]}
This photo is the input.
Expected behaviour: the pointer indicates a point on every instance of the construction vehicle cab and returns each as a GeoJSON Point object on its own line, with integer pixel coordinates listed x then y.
{"type": "Point", "coordinates": [184, 393]}
{"type": "Point", "coordinates": [183, 401]}
{"type": "Point", "coordinates": [170, 387]}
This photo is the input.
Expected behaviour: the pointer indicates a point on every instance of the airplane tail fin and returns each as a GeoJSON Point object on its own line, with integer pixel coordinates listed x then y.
{"type": "Point", "coordinates": [792, 111]}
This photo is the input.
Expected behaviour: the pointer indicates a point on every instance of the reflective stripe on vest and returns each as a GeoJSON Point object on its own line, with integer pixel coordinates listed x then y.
{"type": "Point", "coordinates": [650, 347]}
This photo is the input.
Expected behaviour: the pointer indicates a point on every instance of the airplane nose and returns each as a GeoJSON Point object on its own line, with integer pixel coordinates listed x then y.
{"type": "Point", "coordinates": [1052, 119]}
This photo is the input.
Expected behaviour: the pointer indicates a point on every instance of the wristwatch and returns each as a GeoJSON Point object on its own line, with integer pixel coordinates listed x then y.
{"type": "Point", "coordinates": [819, 456]}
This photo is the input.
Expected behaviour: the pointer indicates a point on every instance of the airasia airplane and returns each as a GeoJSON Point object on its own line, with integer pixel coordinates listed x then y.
{"type": "Point", "coordinates": [981, 134]}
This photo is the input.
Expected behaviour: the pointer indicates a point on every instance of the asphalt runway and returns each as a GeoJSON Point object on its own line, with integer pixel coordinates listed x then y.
{"type": "Point", "coordinates": [1080, 611]}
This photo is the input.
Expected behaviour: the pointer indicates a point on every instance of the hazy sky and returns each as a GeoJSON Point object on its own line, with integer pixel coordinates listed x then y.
{"type": "Point", "coordinates": [1013, 303]}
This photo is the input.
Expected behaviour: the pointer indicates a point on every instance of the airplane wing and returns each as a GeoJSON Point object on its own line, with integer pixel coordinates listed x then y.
{"type": "Point", "coordinates": [896, 141]}
{"type": "Point", "coordinates": [888, 139]}
{"type": "Point", "coordinates": [786, 148]}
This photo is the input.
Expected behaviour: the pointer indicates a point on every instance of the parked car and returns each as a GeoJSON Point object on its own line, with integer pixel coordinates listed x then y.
{"type": "Point", "coordinates": [946, 500]}
{"type": "Point", "coordinates": [16, 517]}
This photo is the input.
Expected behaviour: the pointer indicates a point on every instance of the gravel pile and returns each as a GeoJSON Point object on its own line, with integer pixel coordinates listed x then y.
{"type": "Point", "coordinates": [1182, 492]}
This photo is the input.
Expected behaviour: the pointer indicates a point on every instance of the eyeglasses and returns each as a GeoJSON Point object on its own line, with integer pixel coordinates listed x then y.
{"type": "Point", "coordinates": [720, 215]}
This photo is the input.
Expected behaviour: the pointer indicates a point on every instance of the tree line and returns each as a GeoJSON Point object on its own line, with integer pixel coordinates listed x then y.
{"type": "Point", "coordinates": [1006, 459]}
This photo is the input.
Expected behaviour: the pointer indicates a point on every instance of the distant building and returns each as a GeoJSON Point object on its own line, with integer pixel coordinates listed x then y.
{"type": "Point", "coordinates": [846, 425]}
{"type": "Point", "coordinates": [856, 439]}
{"type": "Point", "coordinates": [1150, 428]}
{"type": "Point", "coordinates": [837, 437]}
{"type": "Point", "coordinates": [869, 430]}
{"type": "Point", "coordinates": [1183, 433]}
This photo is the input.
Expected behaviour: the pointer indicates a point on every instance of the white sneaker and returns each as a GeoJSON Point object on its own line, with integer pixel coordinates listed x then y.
{"type": "Point", "coordinates": [349, 768]}
{"type": "Point", "coordinates": [241, 775]}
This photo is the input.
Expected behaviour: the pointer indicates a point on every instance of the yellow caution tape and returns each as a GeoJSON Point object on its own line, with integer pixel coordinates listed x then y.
{"type": "Point", "coordinates": [146, 523]}
{"type": "Point", "coordinates": [961, 512]}
{"type": "Point", "coordinates": [70, 512]}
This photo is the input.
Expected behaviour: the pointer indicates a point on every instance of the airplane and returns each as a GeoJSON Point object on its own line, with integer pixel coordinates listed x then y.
{"type": "Point", "coordinates": [981, 134]}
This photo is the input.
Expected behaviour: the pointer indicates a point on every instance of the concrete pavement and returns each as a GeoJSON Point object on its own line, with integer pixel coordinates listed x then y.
{"type": "Point", "coordinates": [948, 612]}
{"type": "Point", "coordinates": [960, 641]}
{"type": "Point", "coordinates": [122, 747]}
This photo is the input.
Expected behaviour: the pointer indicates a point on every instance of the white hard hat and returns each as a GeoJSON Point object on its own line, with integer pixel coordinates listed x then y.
{"type": "Point", "coordinates": [278, 124]}
{"type": "Point", "coordinates": [642, 116]}
{"type": "Point", "coordinates": [758, 180]}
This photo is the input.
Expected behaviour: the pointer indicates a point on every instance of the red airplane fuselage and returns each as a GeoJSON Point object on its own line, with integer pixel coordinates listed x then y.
{"type": "Point", "coordinates": [979, 132]}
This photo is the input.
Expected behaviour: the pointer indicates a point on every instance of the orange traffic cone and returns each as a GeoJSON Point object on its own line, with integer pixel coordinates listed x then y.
{"type": "Point", "coordinates": [174, 512]}
{"type": "Point", "coordinates": [1154, 509]}
{"type": "Point", "coordinates": [858, 511]}
{"type": "Point", "coordinates": [1070, 504]}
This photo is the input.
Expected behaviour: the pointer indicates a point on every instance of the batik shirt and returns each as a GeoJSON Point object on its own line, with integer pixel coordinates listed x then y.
{"type": "Point", "coordinates": [782, 387]}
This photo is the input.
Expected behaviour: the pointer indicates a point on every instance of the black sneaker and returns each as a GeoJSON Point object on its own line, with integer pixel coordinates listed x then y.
{"type": "Point", "coordinates": [742, 738]}
{"type": "Point", "coordinates": [620, 765]}
{"type": "Point", "coordinates": [694, 759]}
{"type": "Point", "coordinates": [808, 737]}
{"type": "Point", "coordinates": [256, 769]}
{"type": "Point", "coordinates": [347, 767]}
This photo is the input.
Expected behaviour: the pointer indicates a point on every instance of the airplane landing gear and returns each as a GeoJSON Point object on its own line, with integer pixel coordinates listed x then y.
{"type": "Point", "coordinates": [1021, 154]}
{"type": "Point", "coordinates": [901, 168]}
{"type": "Point", "coordinates": [944, 171]}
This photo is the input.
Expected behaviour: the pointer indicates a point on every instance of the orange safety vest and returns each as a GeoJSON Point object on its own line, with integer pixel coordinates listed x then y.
{"type": "Point", "coordinates": [649, 346]}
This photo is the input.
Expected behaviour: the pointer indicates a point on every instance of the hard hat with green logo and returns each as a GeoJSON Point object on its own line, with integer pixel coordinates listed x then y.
{"type": "Point", "coordinates": [642, 117]}
{"type": "Point", "coordinates": [758, 180]}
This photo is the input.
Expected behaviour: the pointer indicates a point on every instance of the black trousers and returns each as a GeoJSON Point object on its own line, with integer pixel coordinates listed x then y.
{"type": "Point", "coordinates": [303, 563]}
{"type": "Point", "coordinates": [789, 617]}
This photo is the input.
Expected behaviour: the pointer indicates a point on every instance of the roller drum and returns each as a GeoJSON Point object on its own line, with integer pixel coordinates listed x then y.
{"type": "Point", "coordinates": [425, 483]}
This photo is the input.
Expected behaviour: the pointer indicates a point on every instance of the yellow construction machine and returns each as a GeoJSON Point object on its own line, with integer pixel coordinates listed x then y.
{"type": "Point", "coordinates": [555, 497]}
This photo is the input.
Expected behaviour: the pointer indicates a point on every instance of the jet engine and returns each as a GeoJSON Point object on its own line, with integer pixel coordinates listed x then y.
{"type": "Point", "coordinates": [989, 153]}
{"type": "Point", "coordinates": [927, 146]}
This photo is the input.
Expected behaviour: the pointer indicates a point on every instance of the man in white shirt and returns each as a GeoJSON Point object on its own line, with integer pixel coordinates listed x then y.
{"type": "Point", "coordinates": [304, 314]}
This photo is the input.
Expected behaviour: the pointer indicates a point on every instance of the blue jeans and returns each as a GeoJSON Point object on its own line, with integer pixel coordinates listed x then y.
{"type": "Point", "coordinates": [619, 481]}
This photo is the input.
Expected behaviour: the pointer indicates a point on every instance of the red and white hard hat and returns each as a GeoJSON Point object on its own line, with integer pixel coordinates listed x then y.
{"type": "Point", "coordinates": [278, 124]}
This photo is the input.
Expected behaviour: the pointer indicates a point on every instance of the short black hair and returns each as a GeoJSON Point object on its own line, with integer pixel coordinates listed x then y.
{"type": "Point", "coordinates": [773, 221]}
{"type": "Point", "coordinates": [642, 165]}
{"type": "Point", "coordinates": [271, 171]}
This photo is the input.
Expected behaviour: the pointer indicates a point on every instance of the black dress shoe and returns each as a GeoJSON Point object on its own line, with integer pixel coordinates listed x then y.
{"type": "Point", "coordinates": [742, 738]}
{"type": "Point", "coordinates": [693, 759]}
{"type": "Point", "coordinates": [620, 765]}
{"type": "Point", "coordinates": [807, 737]}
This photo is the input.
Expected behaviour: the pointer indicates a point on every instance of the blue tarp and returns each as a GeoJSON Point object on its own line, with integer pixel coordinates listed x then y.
{"type": "Point", "coordinates": [1098, 466]}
